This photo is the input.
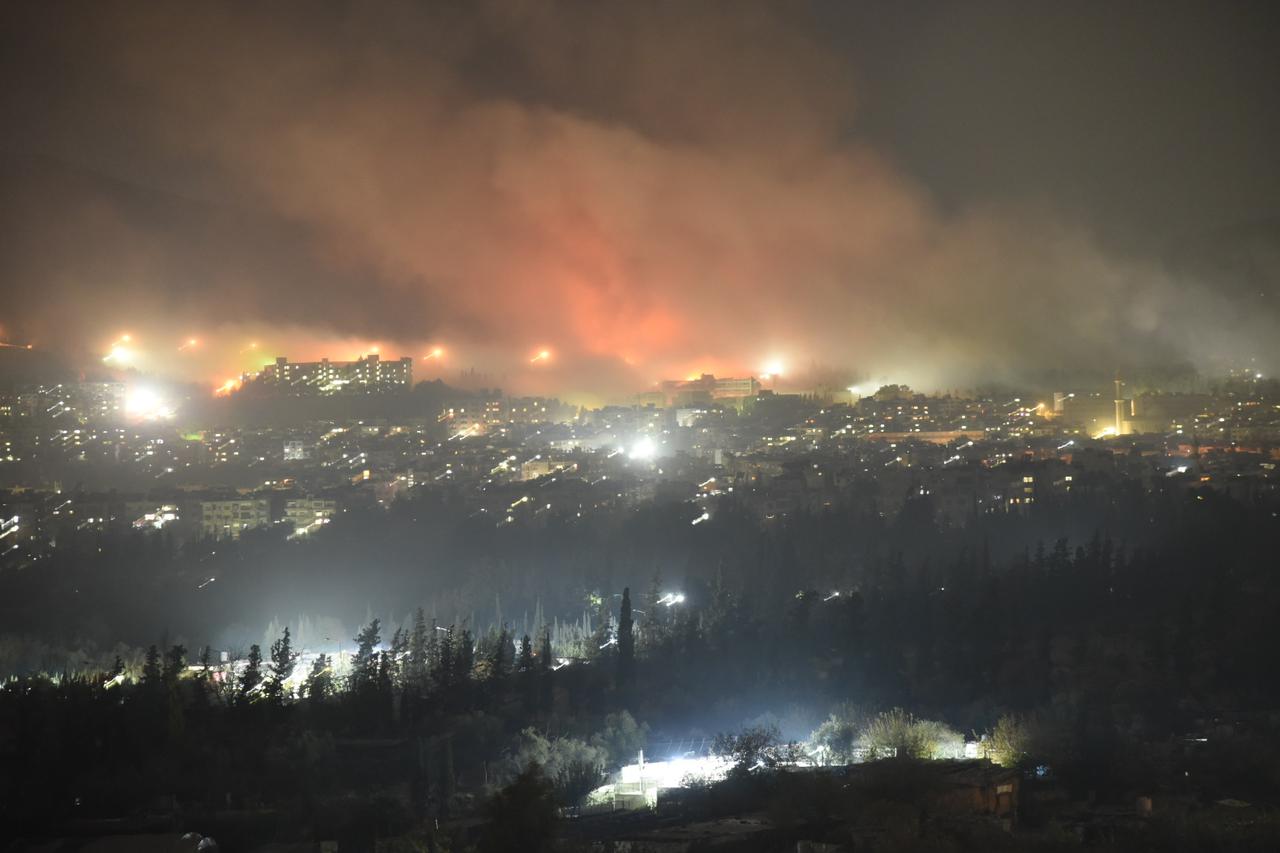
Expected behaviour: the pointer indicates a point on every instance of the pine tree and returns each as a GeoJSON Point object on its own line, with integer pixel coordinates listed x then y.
{"type": "Point", "coordinates": [151, 673]}
{"type": "Point", "coordinates": [203, 677]}
{"type": "Point", "coordinates": [252, 675]}
{"type": "Point", "coordinates": [175, 660]}
{"type": "Point", "coordinates": [464, 656]}
{"type": "Point", "coordinates": [364, 669]}
{"type": "Point", "coordinates": [498, 657]}
{"type": "Point", "coordinates": [400, 657]}
{"type": "Point", "coordinates": [319, 680]}
{"type": "Point", "coordinates": [526, 674]}
{"type": "Point", "coordinates": [206, 659]}
{"type": "Point", "coordinates": [626, 639]}
{"type": "Point", "coordinates": [524, 663]}
{"type": "Point", "coordinates": [386, 674]}
{"type": "Point", "coordinates": [283, 660]}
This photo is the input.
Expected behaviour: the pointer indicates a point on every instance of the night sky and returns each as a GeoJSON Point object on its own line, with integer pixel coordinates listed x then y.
{"type": "Point", "coordinates": [935, 193]}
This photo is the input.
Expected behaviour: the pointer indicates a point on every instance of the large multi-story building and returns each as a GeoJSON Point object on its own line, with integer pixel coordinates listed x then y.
{"type": "Point", "coordinates": [306, 514]}
{"type": "Point", "coordinates": [310, 378]}
{"type": "Point", "coordinates": [296, 451]}
{"type": "Point", "coordinates": [228, 519]}
{"type": "Point", "coordinates": [706, 388]}
{"type": "Point", "coordinates": [480, 416]}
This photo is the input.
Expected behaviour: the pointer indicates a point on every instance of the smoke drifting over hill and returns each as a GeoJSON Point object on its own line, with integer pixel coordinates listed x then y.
{"type": "Point", "coordinates": [646, 190]}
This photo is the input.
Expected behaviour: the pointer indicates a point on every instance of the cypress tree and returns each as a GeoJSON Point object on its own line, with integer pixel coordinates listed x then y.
{"type": "Point", "coordinates": [418, 645]}
{"type": "Point", "coordinates": [544, 651]}
{"type": "Point", "coordinates": [626, 639]}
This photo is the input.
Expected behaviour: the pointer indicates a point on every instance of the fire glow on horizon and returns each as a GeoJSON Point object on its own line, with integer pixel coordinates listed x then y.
{"type": "Point", "coordinates": [219, 359]}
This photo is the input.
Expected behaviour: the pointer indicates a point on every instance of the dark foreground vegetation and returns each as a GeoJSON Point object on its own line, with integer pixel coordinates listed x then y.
{"type": "Point", "coordinates": [1133, 658]}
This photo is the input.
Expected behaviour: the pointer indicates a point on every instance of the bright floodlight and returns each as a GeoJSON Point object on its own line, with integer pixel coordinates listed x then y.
{"type": "Point", "coordinates": [120, 355]}
{"type": "Point", "coordinates": [542, 355]}
{"type": "Point", "coordinates": [643, 449]}
{"type": "Point", "coordinates": [145, 404]}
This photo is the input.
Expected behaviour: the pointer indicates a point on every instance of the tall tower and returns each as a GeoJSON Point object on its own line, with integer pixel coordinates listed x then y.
{"type": "Point", "coordinates": [1120, 401]}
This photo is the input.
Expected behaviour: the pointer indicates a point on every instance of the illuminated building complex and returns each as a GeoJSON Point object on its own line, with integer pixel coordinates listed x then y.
{"type": "Point", "coordinates": [306, 514]}
{"type": "Point", "coordinates": [707, 388]}
{"type": "Point", "coordinates": [368, 375]}
{"type": "Point", "coordinates": [81, 402]}
{"type": "Point", "coordinates": [228, 519]}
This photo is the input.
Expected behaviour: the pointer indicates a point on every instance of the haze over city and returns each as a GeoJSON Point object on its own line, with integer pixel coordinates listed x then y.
{"type": "Point", "coordinates": [942, 196]}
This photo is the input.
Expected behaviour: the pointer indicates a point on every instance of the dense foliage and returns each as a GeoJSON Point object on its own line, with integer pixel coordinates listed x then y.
{"type": "Point", "coordinates": [1150, 618]}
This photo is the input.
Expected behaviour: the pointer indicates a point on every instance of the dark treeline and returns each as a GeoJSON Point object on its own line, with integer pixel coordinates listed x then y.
{"type": "Point", "coordinates": [1158, 620]}
{"type": "Point", "coordinates": [98, 589]}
